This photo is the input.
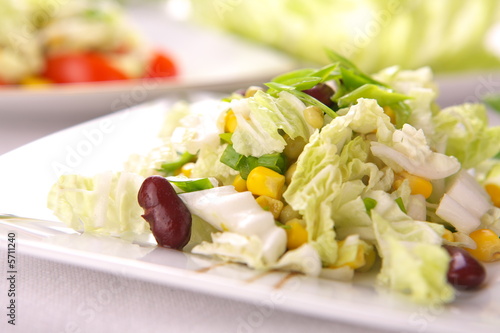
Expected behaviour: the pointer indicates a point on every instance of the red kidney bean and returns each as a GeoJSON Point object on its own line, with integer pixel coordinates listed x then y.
{"type": "Point", "coordinates": [322, 92]}
{"type": "Point", "coordinates": [464, 271]}
{"type": "Point", "coordinates": [168, 217]}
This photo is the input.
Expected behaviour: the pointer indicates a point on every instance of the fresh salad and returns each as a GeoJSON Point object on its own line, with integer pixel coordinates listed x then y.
{"type": "Point", "coordinates": [49, 41]}
{"type": "Point", "coordinates": [328, 172]}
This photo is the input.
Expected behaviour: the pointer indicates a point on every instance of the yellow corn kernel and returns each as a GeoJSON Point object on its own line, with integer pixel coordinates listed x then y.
{"type": "Point", "coordinates": [370, 256]}
{"type": "Point", "coordinates": [264, 181]}
{"type": "Point", "coordinates": [252, 90]}
{"type": "Point", "coordinates": [230, 122]}
{"type": "Point", "coordinates": [240, 184]}
{"type": "Point", "coordinates": [288, 213]}
{"type": "Point", "coordinates": [448, 235]}
{"type": "Point", "coordinates": [296, 234]}
{"type": "Point", "coordinates": [390, 112]}
{"type": "Point", "coordinates": [272, 205]}
{"type": "Point", "coordinates": [33, 81]}
{"type": "Point", "coordinates": [356, 262]}
{"type": "Point", "coordinates": [494, 192]}
{"type": "Point", "coordinates": [418, 185]}
{"type": "Point", "coordinates": [187, 168]}
{"type": "Point", "coordinates": [488, 245]}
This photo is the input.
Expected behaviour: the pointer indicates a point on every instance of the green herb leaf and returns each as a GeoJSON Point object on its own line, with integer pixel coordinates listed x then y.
{"type": "Point", "coordinates": [307, 99]}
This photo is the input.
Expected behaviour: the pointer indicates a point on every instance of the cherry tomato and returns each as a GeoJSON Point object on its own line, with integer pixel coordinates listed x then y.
{"type": "Point", "coordinates": [82, 67]}
{"type": "Point", "coordinates": [160, 66]}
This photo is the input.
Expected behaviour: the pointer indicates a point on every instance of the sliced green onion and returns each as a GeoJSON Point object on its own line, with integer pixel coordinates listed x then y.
{"type": "Point", "coordinates": [309, 100]}
{"type": "Point", "coordinates": [191, 185]}
{"type": "Point", "coordinates": [281, 225]}
{"type": "Point", "coordinates": [275, 162]}
{"type": "Point", "coordinates": [401, 205]}
{"type": "Point", "coordinates": [352, 80]}
{"type": "Point", "coordinates": [170, 167]}
{"type": "Point", "coordinates": [403, 112]}
{"type": "Point", "coordinates": [383, 96]}
{"type": "Point", "coordinates": [226, 137]}
{"type": "Point", "coordinates": [299, 73]}
{"type": "Point", "coordinates": [343, 62]}
{"type": "Point", "coordinates": [328, 72]}
{"type": "Point", "coordinates": [369, 204]}
{"type": "Point", "coordinates": [232, 158]}
{"type": "Point", "coordinates": [245, 164]}
{"type": "Point", "coordinates": [303, 83]}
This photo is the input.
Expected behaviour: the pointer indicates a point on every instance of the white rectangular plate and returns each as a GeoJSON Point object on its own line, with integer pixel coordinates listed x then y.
{"type": "Point", "coordinates": [27, 173]}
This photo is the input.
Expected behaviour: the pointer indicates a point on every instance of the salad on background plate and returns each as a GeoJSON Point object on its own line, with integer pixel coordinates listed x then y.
{"type": "Point", "coordinates": [53, 42]}
{"type": "Point", "coordinates": [327, 172]}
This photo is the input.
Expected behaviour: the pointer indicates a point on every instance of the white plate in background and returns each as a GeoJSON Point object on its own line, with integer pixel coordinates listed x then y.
{"type": "Point", "coordinates": [207, 60]}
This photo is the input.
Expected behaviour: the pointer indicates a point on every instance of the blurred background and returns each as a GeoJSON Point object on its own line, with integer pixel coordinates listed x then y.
{"type": "Point", "coordinates": [65, 62]}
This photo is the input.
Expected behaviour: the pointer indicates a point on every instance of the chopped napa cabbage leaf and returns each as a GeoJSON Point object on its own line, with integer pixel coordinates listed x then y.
{"type": "Point", "coordinates": [304, 259]}
{"type": "Point", "coordinates": [414, 263]}
{"type": "Point", "coordinates": [149, 164]}
{"type": "Point", "coordinates": [249, 250]}
{"type": "Point", "coordinates": [234, 247]}
{"type": "Point", "coordinates": [464, 203]}
{"type": "Point", "coordinates": [311, 190]}
{"type": "Point", "coordinates": [105, 203]}
{"type": "Point", "coordinates": [405, 81]}
{"type": "Point", "coordinates": [421, 112]}
{"type": "Point", "coordinates": [237, 212]}
{"type": "Point", "coordinates": [261, 117]}
{"type": "Point", "coordinates": [491, 220]}
{"type": "Point", "coordinates": [172, 118]}
{"type": "Point", "coordinates": [352, 252]}
{"type": "Point", "coordinates": [408, 150]}
{"type": "Point", "coordinates": [328, 179]}
{"type": "Point", "coordinates": [208, 164]}
{"type": "Point", "coordinates": [201, 231]}
{"type": "Point", "coordinates": [468, 137]}
{"type": "Point", "coordinates": [201, 127]}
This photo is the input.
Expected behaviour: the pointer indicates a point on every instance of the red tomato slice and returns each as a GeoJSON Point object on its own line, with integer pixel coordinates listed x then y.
{"type": "Point", "coordinates": [160, 66]}
{"type": "Point", "coordinates": [83, 67]}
